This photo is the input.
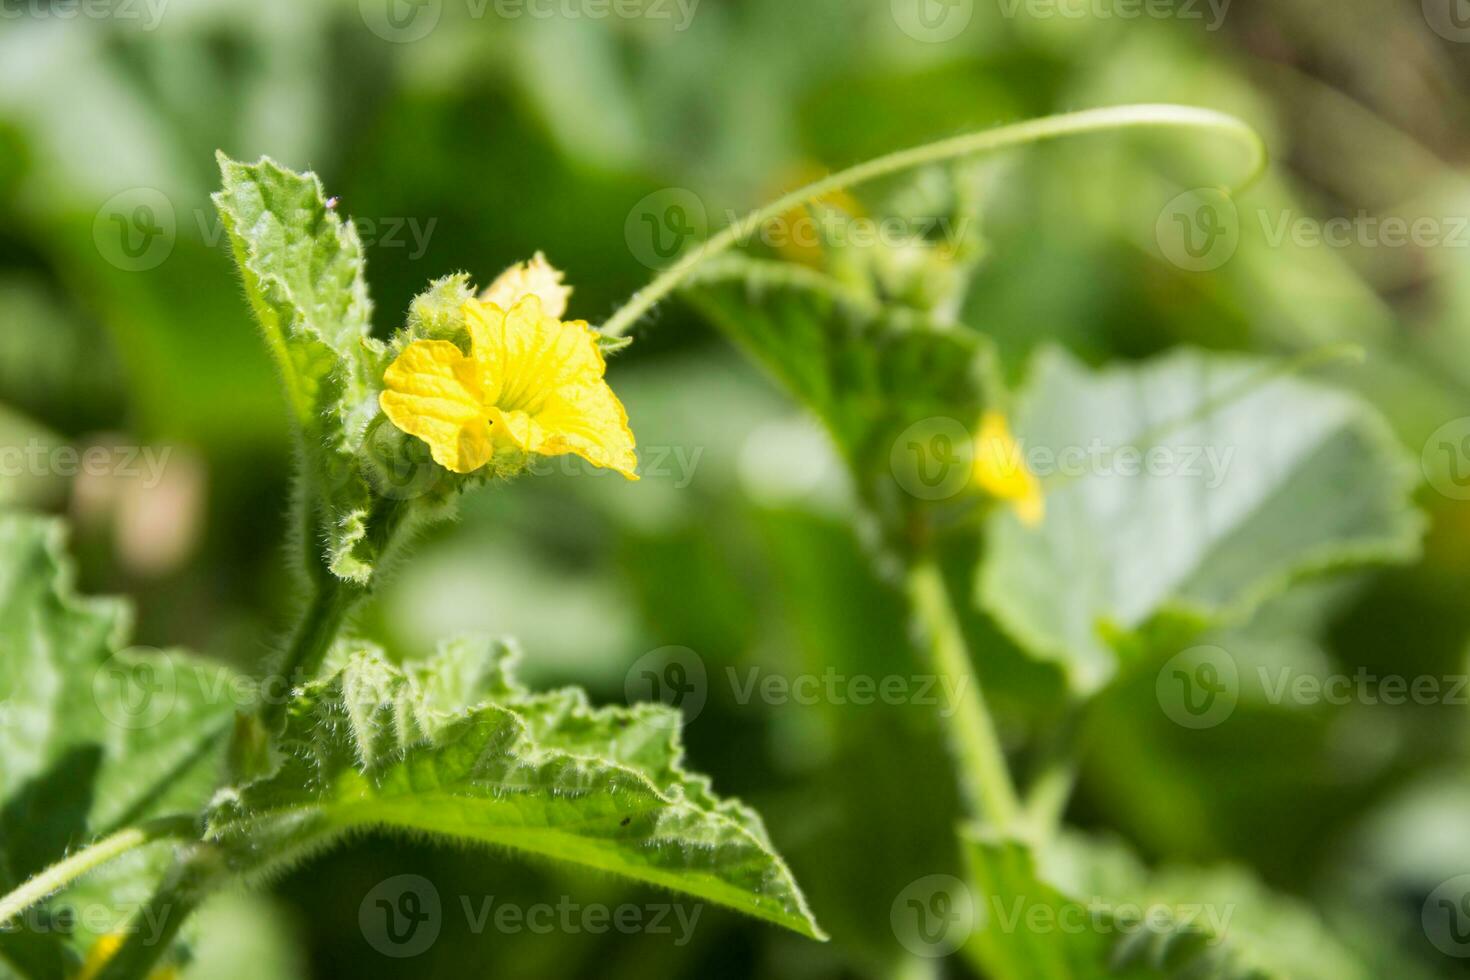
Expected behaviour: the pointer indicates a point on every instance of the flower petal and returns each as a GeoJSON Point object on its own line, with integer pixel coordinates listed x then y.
{"type": "Point", "coordinates": [586, 420]}
{"type": "Point", "coordinates": [432, 393]}
{"type": "Point", "coordinates": [1001, 470]}
{"type": "Point", "coordinates": [534, 278]}
{"type": "Point", "coordinates": [524, 354]}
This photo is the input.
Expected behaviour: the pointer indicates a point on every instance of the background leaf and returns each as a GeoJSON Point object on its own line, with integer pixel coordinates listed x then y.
{"type": "Point", "coordinates": [94, 739]}
{"type": "Point", "coordinates": [1239, 504]}
{"type": "Point", "coordinates": [868, 371]}
{"type": "Point", "coordinates": [1103, 915]}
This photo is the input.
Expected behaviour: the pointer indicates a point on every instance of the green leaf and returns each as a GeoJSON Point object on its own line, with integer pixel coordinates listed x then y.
{"type": "Point", "coordinates": [1086, 909]}
{"type": "Point", "coordinates": [1018, 920]}
{"type": "Point", "coordinates": [869, 372]}
{"type": "Point", "coordinates": [93, 738]}
{"type": "Point", "coordinates": [1258, 478]}
{"type": "Point", "coordinates": [455, 748]}
{"type": "Point", "coordinates": [303, 271]}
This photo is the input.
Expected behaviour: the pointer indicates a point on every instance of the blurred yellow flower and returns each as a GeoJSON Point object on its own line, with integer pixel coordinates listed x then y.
{"type": "Point", "coordinates": [1001, 472]}
{"type": "Point", "coordinates": [531, 383]}
{"type": "Point", "coordinates": [105, 948]}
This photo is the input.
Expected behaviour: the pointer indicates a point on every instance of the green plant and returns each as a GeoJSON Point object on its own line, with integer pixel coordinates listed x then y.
{"type": "Point", "coordinates": [341, 739]}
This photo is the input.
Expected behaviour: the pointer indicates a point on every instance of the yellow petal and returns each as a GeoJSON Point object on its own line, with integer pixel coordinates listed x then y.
{"type": "Point", "coordinates": [433, 392]}
{"type": "Point", "coordinates": [586, 420]}
{"type": "Point", "coordinates": [537, 278]}
{"type": "Point", "coordinates": [105, 948]}
{"type": "Point", "coordinates": [524, 355]}
{"type": "Point", "coordinates": [1031, 509]}
{"type": "Point", "coordinates": [1001, 471]}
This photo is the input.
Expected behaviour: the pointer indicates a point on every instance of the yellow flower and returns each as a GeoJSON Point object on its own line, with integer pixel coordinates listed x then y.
{"type": "Point", "coordinates": [105, 948]}
{"type": "Point", "coordinates": [529, 384]}
{"type": "Point", "coordinates": [1001, 472]}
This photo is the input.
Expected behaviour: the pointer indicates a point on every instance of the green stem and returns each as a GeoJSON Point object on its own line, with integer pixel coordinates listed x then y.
{"type": "Point", "coordinates": [64, 872]}
{"type": "Point", "coordinates": [154, 927]}
{"type": "Point", "coordinates": [1050, 788]}
{"type": "Point", "coordinates": [330, 603]}
{"type": "Point", "coordinates": [1047, 799]}
{"type": "Point", "coordinates": [983, 771]}
{"type": "Point", "coordinates": [971, 144]}
{"type": "Point", "coordinates": [332, 599]}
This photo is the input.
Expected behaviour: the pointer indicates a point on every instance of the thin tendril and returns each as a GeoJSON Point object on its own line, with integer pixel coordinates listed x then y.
{"type": "Point", "coordinates": [971, 144]}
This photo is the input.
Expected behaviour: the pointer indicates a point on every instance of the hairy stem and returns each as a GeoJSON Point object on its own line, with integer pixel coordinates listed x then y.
{"type": "Point", "coordinates": [971, 144]}
{"type": "Point", "coordinates": [314, 635]}
{"type": "Point", "coordinates": [983, 772]}
{"type": "Point", "coordinates": [154, 927]}
{"type": "Point", "coordinates": [332, 599]}
{"type": "Point", "coordinates": [64, 872]}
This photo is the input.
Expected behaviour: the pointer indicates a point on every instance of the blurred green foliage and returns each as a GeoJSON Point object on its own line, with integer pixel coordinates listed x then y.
{"type": "Point", "coordinates": [491, 138]}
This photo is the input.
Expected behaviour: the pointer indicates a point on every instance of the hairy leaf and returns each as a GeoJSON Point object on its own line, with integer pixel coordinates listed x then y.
{"type": "Point", "coordinates": [303, 271]}
{"type": "Point", "coordinates": [1186, 490]}
{"type": "Point", "coordinates": [455, 748]}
